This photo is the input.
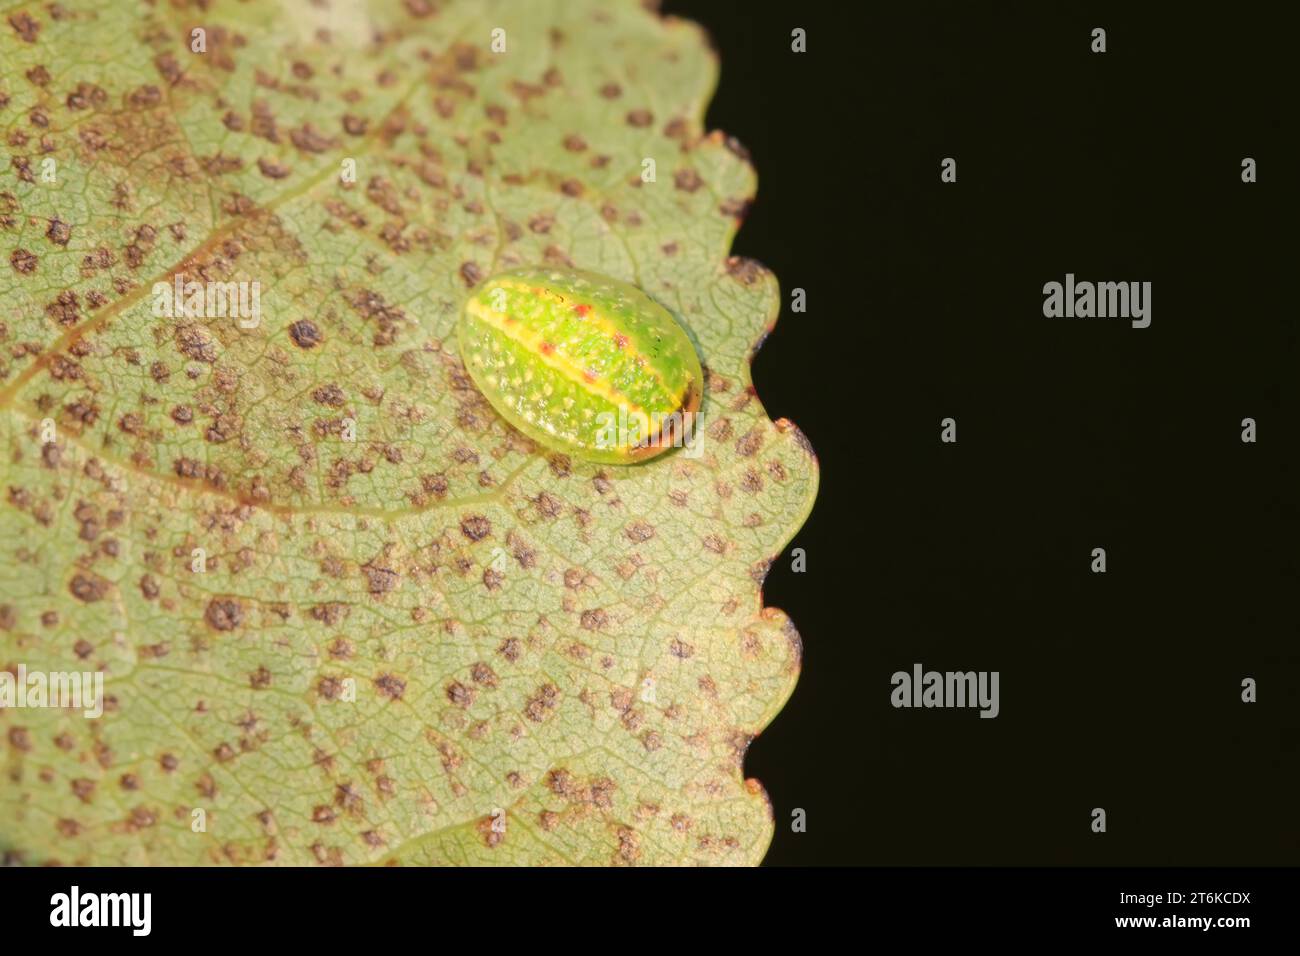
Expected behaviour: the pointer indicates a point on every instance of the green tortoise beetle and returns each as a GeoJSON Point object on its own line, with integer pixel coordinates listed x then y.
{"type": "Point", "coordinates": [582, 363]}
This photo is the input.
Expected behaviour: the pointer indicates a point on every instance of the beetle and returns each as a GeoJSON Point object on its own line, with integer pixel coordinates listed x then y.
{"type": "Point", "coordinates": [582, 363]}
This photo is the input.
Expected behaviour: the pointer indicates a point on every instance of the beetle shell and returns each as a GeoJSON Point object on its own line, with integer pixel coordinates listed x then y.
{"type": "Point", "coordinates": [561, 354]}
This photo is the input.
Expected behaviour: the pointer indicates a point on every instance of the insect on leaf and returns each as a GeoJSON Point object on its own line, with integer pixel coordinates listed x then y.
{"type": "Point", "coordinates": [342, 611]}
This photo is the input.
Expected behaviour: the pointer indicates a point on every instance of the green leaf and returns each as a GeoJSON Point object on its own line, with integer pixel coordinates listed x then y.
{"type": "Point", "coordinates": [398, 640]}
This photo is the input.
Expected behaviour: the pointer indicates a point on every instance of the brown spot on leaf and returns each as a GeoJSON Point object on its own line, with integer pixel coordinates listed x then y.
{"type": "Point", "coordinates": [544, 700]}
{"type": "Point", "coordinates": [475, 527]}
{"type": "Point", "coordinates": [88, 588]}
{"type": "Point", "coordinates": [224, 614]}
{"type": "Point", "coordinates": [687, 180]}
{"type": "Point", "coordinates": [471, 274]}
{"type": "Point", "coordinates": [639, 532]}
{"type": "Point", "coordinates": [329, 394]}
{"type": "Point", "coordinates": [144, 97]}
{"type": "Point", "coordinates": [746, 271]}
{"type": "Point", "coordinates": [83, 789]}
{"type": "Point", "coordinates": [85, 96]}
{"type": "Point", "coordinates": [391, 686]}
{"type": "Point", "coordinates": [66, 309]}
{"type": "Point", "coordinates": [59, 232]}
{"type": "Point", "coordinates": [25, 26]}
{"type": "Point", "coordinates": [272, 169]}
{"type": "Point", "coordinates": [459, 694]}
{"type": "Point", "coordinates": [749, 443]}
{"type": "Point", "coordinates": [197, 342]}
{"type": "Point", "coordinates": [380, 580]}
{"type": "Point", "coordinates": [305, 334]}
{"type": "Point", "coordinates": [371, 306]}
{"type": "Point", "coordinates": [308, 139]}
{"type": "Point", "coordinates": [24, 262]}
{"type": "Point", "coordinates": [735, 208]}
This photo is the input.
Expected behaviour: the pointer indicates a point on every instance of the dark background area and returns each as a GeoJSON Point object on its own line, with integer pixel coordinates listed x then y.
{"type": "Point", "coordinates": [925, 299]}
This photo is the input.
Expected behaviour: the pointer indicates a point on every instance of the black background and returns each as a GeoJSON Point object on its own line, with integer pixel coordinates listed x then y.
{"type": "Point", "coordinates": [925, 300]}
{"type": "Point", "coordinates": [1118, 690]}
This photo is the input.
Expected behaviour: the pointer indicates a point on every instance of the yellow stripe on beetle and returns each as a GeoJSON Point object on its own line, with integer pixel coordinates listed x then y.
{"type": "Point", "coordinates": [581, 363]}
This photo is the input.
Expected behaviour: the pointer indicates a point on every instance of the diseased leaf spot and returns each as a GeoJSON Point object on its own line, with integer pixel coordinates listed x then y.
{"type": "Point", "coordinates": [25, 26]}
{"type": "Point", "coordinates": [544, 700]}
{"type": "Point", "coordinates": [272, 169]}
{"type": "Point", "coordinates": [88, 588]}
{"type": "Point", "coordinates": [639, 532]}
{"type": "Point", "coordinates": [748, 444]}
{"type": "Point", "coordinates": [305, 334]}
{"type": "Point", "coordinates": [380, 580]}
{"type": "Point", "coordinates": [459, 694]}
{"type": "Point", "coordinates": [471, 274]}
{"type": "Point", "coordinates": [391, 686]}
{"type": "Point", "coordinates": [224, 614]}
{"type": "Point", "coordinates": [475, 527]}
{"type": "Point", "coordinates": [329, 394]}
{"type": "Point", "coordinates": [23, 262]}
{"type": "Point", "coordinates": [83, 789]}
{"type": "Point", "coordinates": [85, 96]}
{"type": "Point", "coordinates": [59, 232]}
{"type": "Point", "coordinates": [66, 309]}
{"type": "Point", "coordinates": [687, 180]}
{"type": "Point", "coordinates": [746, 271]}
{"type": "Point", "coordinates": [197, 342]}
